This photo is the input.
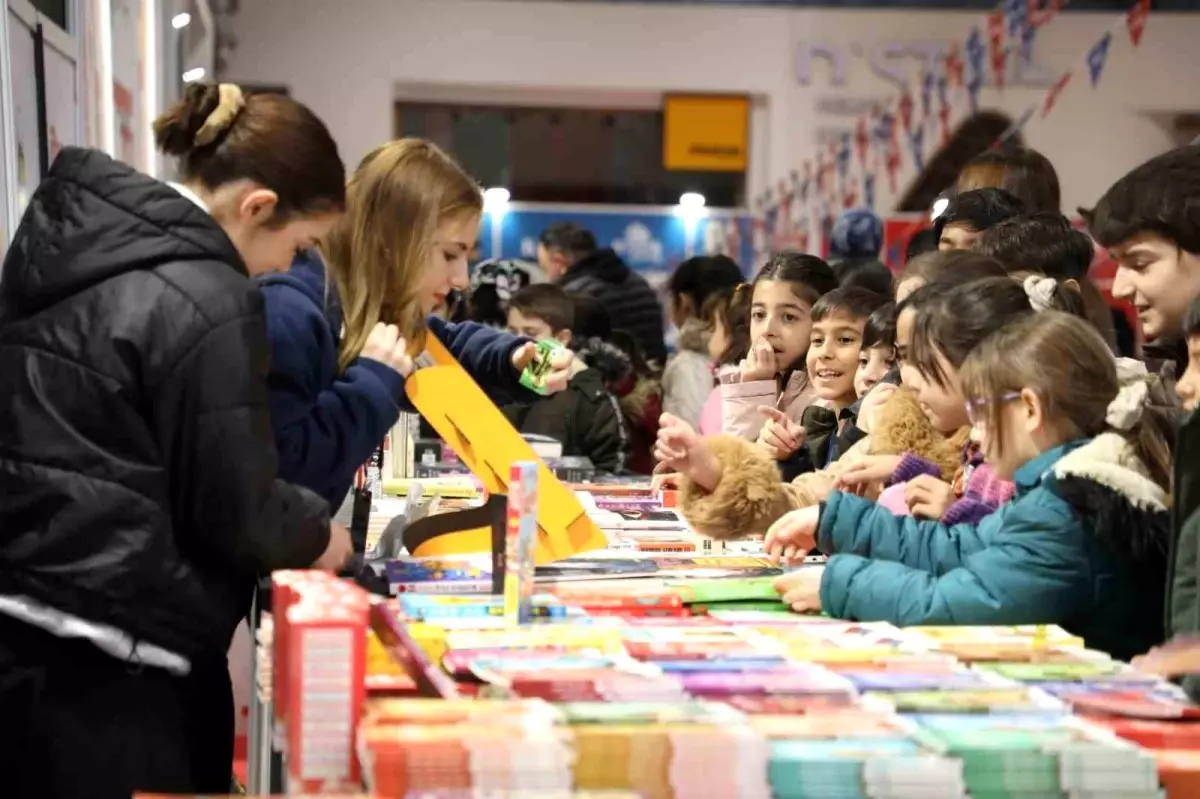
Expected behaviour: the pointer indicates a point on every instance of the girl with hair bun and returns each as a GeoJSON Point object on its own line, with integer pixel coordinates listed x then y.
{"type": "Point", "coordinates": [138, 490]}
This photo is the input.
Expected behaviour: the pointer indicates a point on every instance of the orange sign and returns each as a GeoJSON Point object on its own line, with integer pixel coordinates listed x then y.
{"type": "Point", "coordinates": [706, 133]}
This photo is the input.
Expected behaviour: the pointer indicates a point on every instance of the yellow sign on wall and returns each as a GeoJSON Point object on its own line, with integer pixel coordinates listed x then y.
{"type": "Point", "coordinates": [705, 133]}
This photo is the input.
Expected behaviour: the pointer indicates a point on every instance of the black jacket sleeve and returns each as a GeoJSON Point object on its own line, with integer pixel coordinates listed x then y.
{"type": "Point", "coordinates": [213, 418]}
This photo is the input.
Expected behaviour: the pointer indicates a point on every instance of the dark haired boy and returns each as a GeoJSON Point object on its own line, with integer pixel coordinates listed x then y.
{"type": "Point", "coordinates": [585, 418]}
{"type": "Point", "coordinates": [1150, 223]}
{"type": "Point", "coordinates": [969, 214]}
{"type": "Point", "coordinates": [826, 428]}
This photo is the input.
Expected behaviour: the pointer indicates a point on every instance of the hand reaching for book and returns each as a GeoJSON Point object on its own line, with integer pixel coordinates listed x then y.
{"type": "Point", "coordinates": [792, 535]}
{"type": "Point", "coordinates": [1175, 658]}
{"type": "Point", "coordinates": [679, 448]}
{"type": "Point", "coordinates": [801, 589]}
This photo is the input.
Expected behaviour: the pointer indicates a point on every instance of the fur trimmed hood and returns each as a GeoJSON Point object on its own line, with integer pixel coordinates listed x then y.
{"type": "Point", "coordinates": [1111, 461]}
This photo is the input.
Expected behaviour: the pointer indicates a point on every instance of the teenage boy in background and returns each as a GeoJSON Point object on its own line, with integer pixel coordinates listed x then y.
{"type": "Point", "coordinates": [969, 214]}
{"type": "Point", "coordinates": [585, 418]}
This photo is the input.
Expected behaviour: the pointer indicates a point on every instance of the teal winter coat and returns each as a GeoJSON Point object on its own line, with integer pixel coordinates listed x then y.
{"type": "Point", "coordinates": [1081, 545]}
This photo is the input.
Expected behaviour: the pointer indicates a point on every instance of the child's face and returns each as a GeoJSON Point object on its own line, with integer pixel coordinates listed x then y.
{"type": "Point", "coordinates": [1159, 279]}
{"type": "Point", "coordinates": [533, 327]}
{"type": "Point", "coordinates": [833, 357]}
{"type": "Point", "coordinates": [1188, 385]}
{"type": "Point", "coordinates": [944, 406]}
{"type": "Point", "coordinates": [447, 267]}
{"type": "Point", "coordinates": [783, 320]}
{"type": "Point", "coordinates": [718, 339]}
{"type": "Point", "coordinates": [873, 364]}
{"type": "Point", "coordinates": [1022, 437]}
{"type": "Point", "coordinates": [956, 236]}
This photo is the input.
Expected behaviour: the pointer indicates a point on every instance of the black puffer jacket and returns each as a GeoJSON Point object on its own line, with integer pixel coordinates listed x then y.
{"type": "Point", "coordinates": [137, 468]}
{"type": "Point", "coordinates": [631, 304]}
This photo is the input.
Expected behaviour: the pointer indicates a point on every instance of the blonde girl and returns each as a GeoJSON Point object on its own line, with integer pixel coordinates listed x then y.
{"type": "Point", "coordinates": [346, 318]}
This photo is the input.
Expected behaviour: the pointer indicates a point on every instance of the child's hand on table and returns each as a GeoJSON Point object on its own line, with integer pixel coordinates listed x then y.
{"type": "Point", "coordinates": [681, 449]}
{"type": "Point", "coordinates": [561, 361]}
{"type": "Point", "coordinates": [928, 497]}
{"type": "Point", "coordinates": [793, 534]}
{"type": "Point", "coordinates": [863, 470]}
{"type": "Point", "coordinates": [780, 437]}
{"type": "Point", "coordinates": [1175, 658]}
{"type": "Point", "coordinates": [801, 589]}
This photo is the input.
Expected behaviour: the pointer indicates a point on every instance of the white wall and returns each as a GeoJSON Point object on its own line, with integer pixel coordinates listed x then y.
{"type": "Point", "coordinates": [350, 59]}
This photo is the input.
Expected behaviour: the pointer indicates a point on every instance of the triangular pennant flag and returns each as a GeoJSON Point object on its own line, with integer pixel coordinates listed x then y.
{"type": "Point", "coordinates": [1028, 33]}
{"type": "Point", "coordinates": [1055, 91]}
{"type": "Point", "coordinates": [1017, 14]}
{"type": "Point", "coordinates": [1135, 20]}
{"type": "Point", "coordinates": [869, 190]}
{"type": "Point", "coordinates": [1097, 57]}
{"type": "Point", "coordinates": [954, 67]}
{"type": "Point", "coordinates": [906, 110]}
{"type": "Point", "coordinates": [995, 27]}
{"type": "Point", "coordinates": [862, 140]}
{"type": "Point", "coordinates": [927, 85]}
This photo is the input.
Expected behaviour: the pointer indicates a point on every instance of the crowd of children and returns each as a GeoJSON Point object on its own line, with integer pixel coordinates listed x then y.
{"type": "Point", "coordinates": [1019, 470]}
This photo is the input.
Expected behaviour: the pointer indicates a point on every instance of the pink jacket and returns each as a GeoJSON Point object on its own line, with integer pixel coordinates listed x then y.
{"type": "Point", "coordinates": [740, 401]}
{"type": "Point", "coordinates": [710, 414]}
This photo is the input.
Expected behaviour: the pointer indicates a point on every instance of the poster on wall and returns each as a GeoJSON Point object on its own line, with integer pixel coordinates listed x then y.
{"type": "Point", "coordinates": [126, 71]}
{"type": "Point", "coordinates": [652, 241]}
{"type": "Point", "coordinates": [25, 117]}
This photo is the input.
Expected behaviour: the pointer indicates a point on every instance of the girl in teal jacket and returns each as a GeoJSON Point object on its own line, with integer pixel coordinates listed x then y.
{"type": "Point", "coordinates": [1082, 544]}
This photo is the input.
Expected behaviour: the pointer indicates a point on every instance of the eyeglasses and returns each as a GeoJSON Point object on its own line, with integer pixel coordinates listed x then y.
{"type": "Point", "coordinates": [975, 405]}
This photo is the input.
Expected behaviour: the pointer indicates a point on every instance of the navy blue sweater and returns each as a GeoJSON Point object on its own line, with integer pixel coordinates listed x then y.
{"type": "Point", "coordinates": [327, 424]}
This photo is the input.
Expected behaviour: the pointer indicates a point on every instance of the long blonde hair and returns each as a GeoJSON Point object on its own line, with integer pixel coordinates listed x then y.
{"type": "Point", "coordinates": [378, 252]}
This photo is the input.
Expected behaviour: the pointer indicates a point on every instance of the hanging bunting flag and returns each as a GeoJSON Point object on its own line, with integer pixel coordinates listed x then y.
{"type": "Point", "coordinates": [995, 29]}
{"type": "Point", "coordinates": [862, 141]}
{"type": "Point", "coordinates": [975, 54]}
{"type": "Point", "coordinates": [1097, 57]}
{"type": "Point", "coordinates": [806, 183]}
{"type": "Point", "coordinates": [1016, 13]}
{"type": "Point", "coordinates": [892, 162]}
{"type": "Point", "coordinates": [1027, 36]}
{"type": "Point", "coordinates": [1135, 20]}
{"type": "Point", "coordinates": [1055, 91]}
{"type": "Point", "coordinates": [916, 140]}
{"type": "Point", "coordinates": [869, 190]}
{"type": "Point", "coordinates": [954, 67]}
{"type": "Point", "coordinates": [1017, 124]}
{"type": "Point", "coordinates": [927, 83]}
{"type": "Point", "coordinates": [906, 110]}
{"type": "Point", "coordinates": [943, 109]}
{"type": "Point", "coordinates": [850, 198]}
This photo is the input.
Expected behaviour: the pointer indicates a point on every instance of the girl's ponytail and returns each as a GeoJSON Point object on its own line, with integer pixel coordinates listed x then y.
{"type": "Point", "coordinates": [1048, 294]}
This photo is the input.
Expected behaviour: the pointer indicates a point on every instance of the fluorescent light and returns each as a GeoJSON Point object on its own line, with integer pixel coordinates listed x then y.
{"type": "Point", "coordinates": [193, 75]}
{"type": "Point", "coordinates": [181, 20]}
{"type": "Point", "coordinates": [939, 207]}
{"type": "Point", "coordinates": [691, 199]}
{"type": "Point", "coordinates": [495, 199]}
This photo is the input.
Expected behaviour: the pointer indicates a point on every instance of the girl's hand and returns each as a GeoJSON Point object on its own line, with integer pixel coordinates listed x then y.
{"type": "Point", "coordinates": [872, 403]}
{"type": "Point", "coordinates": [1175, 658]}
{"type": "Point", "coordinates": [385, 345]}
{"type": "Point", "coordinates": [561, 361]}
{"type": "Point", "coordinates": [793, 534]}
{"type": "Point", "coordinates": [780, 437]}
{"type": "Point", "coordinates": [864, 470]}
{"type": "Point", "coordinates": [928, 497]}
{"type": "Point", "coordinates": [682, 450]}
{"type": "Point", "coordinates": [759, 363]}
{"type": "Point", "coordinates": [801, 589]}
{"type": "Point", "coordinates": [337, 552]}
{"type": "Point", "coordinates": [664, 481]}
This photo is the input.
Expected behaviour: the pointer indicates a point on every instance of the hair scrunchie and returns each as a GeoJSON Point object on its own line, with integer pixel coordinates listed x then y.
{"type": "Point", "coordinates": [1127, 407]}
{"type": "Point", "coordinates": [1040, 291]}
{"type": "Point", "coordinates": [232, 101]}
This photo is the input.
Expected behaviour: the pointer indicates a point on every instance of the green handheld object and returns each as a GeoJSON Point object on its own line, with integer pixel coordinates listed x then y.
{"type": "Point", "coordinates": [535, 374]}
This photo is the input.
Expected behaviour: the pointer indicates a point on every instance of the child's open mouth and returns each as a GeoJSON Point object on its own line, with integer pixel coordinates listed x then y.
{"type": "Point", "coordinates": [829, 374]}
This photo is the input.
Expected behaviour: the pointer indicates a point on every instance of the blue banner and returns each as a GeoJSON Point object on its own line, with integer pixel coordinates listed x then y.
{"type": "Point", "coordinates": [651, 241]}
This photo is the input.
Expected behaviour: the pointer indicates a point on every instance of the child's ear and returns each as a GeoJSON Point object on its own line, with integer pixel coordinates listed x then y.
{"type": "Point", "coordinates": [564, 337]}
{"type": "Point", "coordinates": [1072, 284]}
{"type": "Point", "coordinates": [1033, 412]}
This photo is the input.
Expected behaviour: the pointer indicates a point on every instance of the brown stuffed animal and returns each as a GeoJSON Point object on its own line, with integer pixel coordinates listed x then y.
{"type": "Point", "coordinates": [750, 495]}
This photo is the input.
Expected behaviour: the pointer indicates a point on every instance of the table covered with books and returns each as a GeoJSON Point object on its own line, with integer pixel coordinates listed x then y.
{"type": "Point", "coordinates": [666, 666]}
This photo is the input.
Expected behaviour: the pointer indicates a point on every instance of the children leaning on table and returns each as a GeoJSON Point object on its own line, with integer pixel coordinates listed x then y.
{"type": "Point", "coordinates": [1083, 543]}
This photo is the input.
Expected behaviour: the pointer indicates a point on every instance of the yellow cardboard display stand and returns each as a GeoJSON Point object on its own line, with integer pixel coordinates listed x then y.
{"type": "Point", "coordinates": [487, 443]}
